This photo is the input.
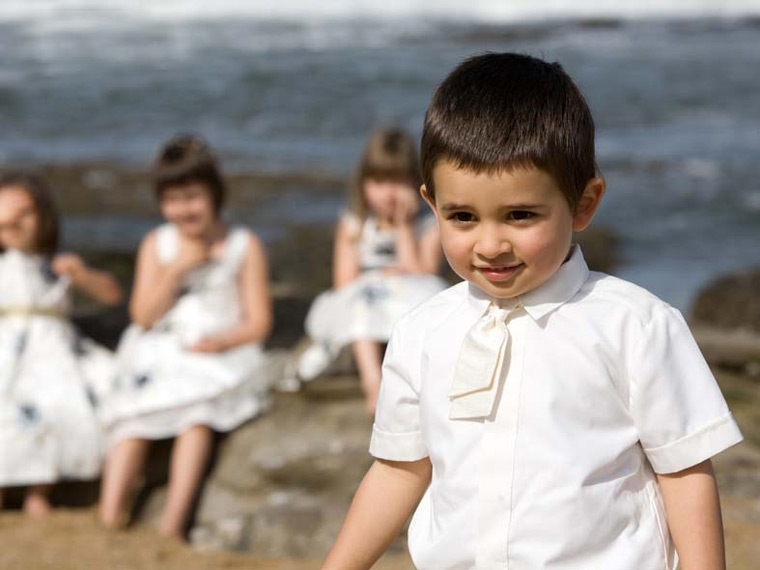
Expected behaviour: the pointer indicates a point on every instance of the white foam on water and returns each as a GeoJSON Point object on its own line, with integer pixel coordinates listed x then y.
{"type": "Point", "coordinates": [475, 10]}
{"type": "Point", "coordinates": [752, 200]}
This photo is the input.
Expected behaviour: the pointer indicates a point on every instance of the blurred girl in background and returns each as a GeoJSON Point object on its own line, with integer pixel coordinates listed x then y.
{"type": "Point", "coordinates": [51, 378]}
{"type": "Point", "coordinates": [191, 362]}
{"type": "Point", "coordinates": [385, 259]}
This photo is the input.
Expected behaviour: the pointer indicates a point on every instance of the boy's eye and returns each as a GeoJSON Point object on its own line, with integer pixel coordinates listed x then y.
{"type": "Point", "coordinates": [521, 215]}
{"type": "Point", "coordinates": [461, 217]}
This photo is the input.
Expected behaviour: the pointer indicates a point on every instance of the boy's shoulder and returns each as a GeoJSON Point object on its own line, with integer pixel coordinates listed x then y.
{"type": "Point", "coordinates": [615, 295]}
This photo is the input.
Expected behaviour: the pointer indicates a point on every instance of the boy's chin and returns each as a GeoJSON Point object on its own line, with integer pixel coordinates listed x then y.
{"type": "Point", "coordinates": [503, 290]}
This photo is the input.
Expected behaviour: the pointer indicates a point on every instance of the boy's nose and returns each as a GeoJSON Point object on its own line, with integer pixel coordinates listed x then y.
{"type": "Point", "coordinates": [491, 244]}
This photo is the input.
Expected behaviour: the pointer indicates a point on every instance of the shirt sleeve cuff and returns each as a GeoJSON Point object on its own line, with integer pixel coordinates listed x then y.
{"type": "Point", "coordinates": [695, 448]}
{"type": "Point", "coordinates": [397, 446]}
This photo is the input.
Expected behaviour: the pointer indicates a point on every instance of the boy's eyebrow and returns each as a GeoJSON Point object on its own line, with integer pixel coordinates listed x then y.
{"type": "Point", "coordinates": [452, 206]}
{"type": "Point", "coordinates": [526, 206]}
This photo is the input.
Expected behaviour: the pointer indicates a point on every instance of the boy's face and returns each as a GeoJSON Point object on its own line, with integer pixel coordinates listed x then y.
{"type": "Point", "coordinates": [508, 232]}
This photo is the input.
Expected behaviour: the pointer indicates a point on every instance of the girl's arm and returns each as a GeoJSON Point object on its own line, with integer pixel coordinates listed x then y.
{"type": "Point", "coordinates": [345, 256]}
{"type": "Point", "coordinates": [407, 254]}
{"type": "Point", "coordinates": [694, 519]}
{"type": "Point", "coordinates": [384, 501]}
{"type": "Point", "coordinates": [416, 254]}
{"type": "Point", "coordinates": [407, 250]}
{"type": "Point", "coordinates": [100, 285]}
{"type": "Point", "coordinates": [156, 285]}
{"type": "Point", "coordinates": [430, 251]}
{"type": "Point", "coordinates": [255, 300]}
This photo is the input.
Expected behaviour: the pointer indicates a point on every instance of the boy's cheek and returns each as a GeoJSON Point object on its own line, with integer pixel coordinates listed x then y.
{"type": "Point", "coordinates": [456, 256]}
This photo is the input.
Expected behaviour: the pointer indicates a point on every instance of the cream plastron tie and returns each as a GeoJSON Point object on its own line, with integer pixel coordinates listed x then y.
{"type": "Point", "coordinates": [479, 365]}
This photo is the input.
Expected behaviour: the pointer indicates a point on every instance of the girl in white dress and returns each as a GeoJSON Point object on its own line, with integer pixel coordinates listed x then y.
{"type": "Point", "coordinates": [191, 362]}
{"type": "Point", "coordinates": [51, 378]}
{"type": "Point", "coordinates": [385, 259]}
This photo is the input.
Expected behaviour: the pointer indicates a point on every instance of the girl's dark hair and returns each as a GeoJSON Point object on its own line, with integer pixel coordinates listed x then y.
{"type": "Point", "coordinates": [390, 154]}
{"type": "Point", "coordinates": [186, 159]}
{"type": "Point", "coordinates": [46, 240]}
{"type": "Point", "coordinates": [500, 111]}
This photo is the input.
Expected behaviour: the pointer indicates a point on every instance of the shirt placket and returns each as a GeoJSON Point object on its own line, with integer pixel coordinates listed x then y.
{"type": "Point", "coordinates": [497, 457]}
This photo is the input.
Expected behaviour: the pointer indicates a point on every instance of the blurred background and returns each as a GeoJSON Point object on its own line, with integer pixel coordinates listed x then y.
{"type": "Point", "coordinates": [290, 90]}
{"type": "Point", "coordinates": [287, 93]}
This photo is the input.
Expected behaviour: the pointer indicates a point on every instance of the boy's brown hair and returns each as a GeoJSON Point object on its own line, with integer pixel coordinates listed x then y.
{"type": "Point", "coordinates": [500, 111]}
{"type": "Point", "coordinates": [186, 159]}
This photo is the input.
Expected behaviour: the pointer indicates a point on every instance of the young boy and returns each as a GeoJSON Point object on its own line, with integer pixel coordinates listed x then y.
{"type": "Point", "coordinates": [543, 416]}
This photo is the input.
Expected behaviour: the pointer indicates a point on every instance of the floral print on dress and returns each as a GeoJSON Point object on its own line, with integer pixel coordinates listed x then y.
{"type": "Point", "coordinates": [20, 343]}
{"type": "Point", "coordinates": [141, 380]}
{"type": "Point", "coordinates": [48, 275]}
{"type": "Point", "coordinates": [51, 380]}
{"type": "Point", "coordinates": [375, 293]}
{"type": "Point", "coordinates": [28, 415]}
{"type": "Point", "coordinates": [161, 383]}
{"type": "Point", "coordinates": [92, 397]}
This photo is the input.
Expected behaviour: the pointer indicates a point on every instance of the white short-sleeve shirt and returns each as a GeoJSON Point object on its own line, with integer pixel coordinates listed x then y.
{"type": "Point", "coordinates": [603, 387]}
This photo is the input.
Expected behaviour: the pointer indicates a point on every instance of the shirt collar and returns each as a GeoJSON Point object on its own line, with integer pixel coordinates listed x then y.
{"type": "Point", "coordinates": [560, 288]}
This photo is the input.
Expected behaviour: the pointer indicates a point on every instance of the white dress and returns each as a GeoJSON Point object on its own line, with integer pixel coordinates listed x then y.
{"type": "Point", "coordinates": [369, 306]}
{"type": "Point", "coordinates": [161, 388]}
{"type": "Point", "coordinates": [51, 379]}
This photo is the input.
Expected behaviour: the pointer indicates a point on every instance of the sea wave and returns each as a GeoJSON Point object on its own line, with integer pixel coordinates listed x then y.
{"type": "Point", "coordinates": [475, 10]}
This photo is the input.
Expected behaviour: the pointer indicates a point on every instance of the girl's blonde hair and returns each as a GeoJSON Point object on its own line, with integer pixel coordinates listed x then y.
{"type": "Point", "coordinates": [46, 240]}
{"type": "Point", "coordinates": [390, 154]}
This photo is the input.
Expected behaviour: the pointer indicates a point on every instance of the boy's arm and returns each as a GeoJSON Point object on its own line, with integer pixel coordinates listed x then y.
{"type": "Point", "coordinates": [694, 519]}
{"type": "Point", "coordinates": [384, 501]}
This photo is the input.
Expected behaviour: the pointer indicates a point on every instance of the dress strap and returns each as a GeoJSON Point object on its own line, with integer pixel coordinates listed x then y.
{"type": "Point", "coordinates": [236, 247]}
{"type": "Point", "coordinates": [352, 223]}
{"type": "Point", "coordinates": [167, 243]}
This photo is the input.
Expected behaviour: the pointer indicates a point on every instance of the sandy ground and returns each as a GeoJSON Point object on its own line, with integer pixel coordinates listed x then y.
{"type": "Point", "coordinates": [71, 539]}
{"type": "Point", "coordinates": [742, 533]}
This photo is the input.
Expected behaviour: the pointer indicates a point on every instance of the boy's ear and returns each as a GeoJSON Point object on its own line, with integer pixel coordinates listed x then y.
{"type": "Point", "coordinates": [425, 196]}
{"type": "Point", "coordinates": [588, 203]}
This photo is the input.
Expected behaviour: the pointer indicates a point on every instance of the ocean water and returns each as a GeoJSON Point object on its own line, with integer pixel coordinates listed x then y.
{"type": "Point", "coordinates": [295, 87]}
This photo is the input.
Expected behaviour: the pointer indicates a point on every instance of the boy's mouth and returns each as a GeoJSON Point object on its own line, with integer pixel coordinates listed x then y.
{"type": "Point", "coordinates": [498, 272]}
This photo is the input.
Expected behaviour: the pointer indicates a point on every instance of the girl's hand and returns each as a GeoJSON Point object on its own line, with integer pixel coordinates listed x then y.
{"type": "Point", "coordinates": [209, 345]}
{"type": "Point", "coordinates": [192, 253]}
{"type": "Point", "coordinates": [100, 285]}
{"type": "Point", "coordinates": [407, 206]}
{"type": "Point", "coordinates": [68, 265]}
{"type": "Point", "coordinates": [392, 270]}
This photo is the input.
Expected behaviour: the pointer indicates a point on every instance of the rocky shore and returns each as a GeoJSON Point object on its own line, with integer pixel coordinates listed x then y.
{"type": "Point", "coordinates": [280, 485]}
